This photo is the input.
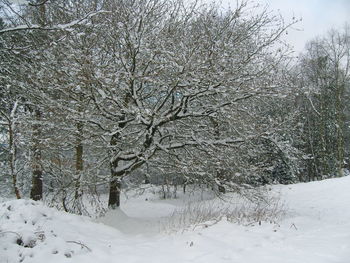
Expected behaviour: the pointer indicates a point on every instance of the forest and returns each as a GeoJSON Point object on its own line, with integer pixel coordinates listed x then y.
{"type": "Point", "coordinates": [102, 96]}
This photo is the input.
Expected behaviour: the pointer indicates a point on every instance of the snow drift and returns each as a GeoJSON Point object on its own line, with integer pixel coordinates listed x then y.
{"type": "Point", "coordinates": [316, 229]}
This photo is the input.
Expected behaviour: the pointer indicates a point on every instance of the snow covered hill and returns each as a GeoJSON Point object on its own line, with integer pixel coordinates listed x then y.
{"type": "Point", "coordinates": [315, 229]}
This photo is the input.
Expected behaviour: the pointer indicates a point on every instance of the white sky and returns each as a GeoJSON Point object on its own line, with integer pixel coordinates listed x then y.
{"type": "Point", "coordinates": [318, 16]}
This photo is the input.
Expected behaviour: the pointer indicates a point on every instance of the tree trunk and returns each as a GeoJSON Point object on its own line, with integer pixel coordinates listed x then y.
{"type": "Point", "coordinates": [115, 186]}
{"type": "Point", "coordinates": [36, 192]}
{"type": "Point", "coordinates": [12, 158]}
{"type": "Point", "coordinates": [79, 166]}
{"type": "Point", "coordinates": [114, 193]}
{"type": "Point", "coordinates": [340, 129]}
{"type": "Point", "coordinates": [116, 176]}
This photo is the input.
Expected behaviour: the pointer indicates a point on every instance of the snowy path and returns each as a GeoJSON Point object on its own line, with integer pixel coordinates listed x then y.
{"type": "Point", "coordinates": [315, 230]}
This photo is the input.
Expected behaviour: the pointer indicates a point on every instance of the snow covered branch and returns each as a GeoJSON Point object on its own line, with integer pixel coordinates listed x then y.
{"type": "Point", "coordinates": [65, 27]}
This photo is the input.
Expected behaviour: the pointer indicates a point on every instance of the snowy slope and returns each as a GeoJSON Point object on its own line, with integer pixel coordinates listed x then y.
{"type": "Point", "coordinates": [316, 229]}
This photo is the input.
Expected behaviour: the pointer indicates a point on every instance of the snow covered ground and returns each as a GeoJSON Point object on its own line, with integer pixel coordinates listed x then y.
{"type": "Point", "coordinates": [315, 229]}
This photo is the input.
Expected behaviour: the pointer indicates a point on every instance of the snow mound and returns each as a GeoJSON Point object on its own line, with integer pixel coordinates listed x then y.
{"type": "Point", "coordinates": [31, 232]}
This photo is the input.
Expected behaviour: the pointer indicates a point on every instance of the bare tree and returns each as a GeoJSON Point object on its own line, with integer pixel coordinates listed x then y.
{"type": "Point", "coordinates": [325, 69]}
{"type": "Point", "coordinates": [167, 71]}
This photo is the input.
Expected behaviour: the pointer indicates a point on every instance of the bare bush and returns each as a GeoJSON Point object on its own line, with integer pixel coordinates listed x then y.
{"type": "Point", "coordinates": [242, 211]}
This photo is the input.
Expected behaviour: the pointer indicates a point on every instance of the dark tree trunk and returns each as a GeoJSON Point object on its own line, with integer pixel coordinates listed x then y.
{"type": "Point", "coordinates": [116, 176]}
{"type": "Point", "coordinates": [79, 166]}
{"type": "Point", "coordinates": [36, 192]}
{"type": "Point", "coordinates": [114, 193]}
{"type": "Point", "coordinates": [115, 184]}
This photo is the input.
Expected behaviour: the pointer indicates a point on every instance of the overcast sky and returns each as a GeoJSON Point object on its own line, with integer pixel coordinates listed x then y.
{"type": "Point", "coordinates": [318, 16]}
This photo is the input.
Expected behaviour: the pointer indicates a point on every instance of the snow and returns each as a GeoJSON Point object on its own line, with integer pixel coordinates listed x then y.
{"type": "Point", "coordinates": [315, 229]}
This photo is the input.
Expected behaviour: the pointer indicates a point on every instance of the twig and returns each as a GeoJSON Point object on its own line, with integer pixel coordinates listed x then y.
{"type": "Point", "coordinates": [39, 4]}
{"type": "Point", "coordinates": [10, 232]}
{"type": "Point", "coordinates": [81, 244]}
{"type": "Point", "coordinates": [293, 225]}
